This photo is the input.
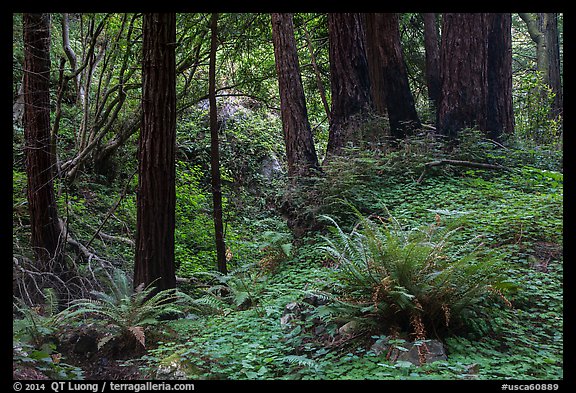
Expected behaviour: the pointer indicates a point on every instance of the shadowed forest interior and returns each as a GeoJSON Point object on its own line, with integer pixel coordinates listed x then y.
{"type": "Point", "coordinates": [256, 196]}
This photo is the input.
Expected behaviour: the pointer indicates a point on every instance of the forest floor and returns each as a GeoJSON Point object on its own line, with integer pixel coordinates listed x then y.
{"type": "Point", "coordinates": [519, 216]}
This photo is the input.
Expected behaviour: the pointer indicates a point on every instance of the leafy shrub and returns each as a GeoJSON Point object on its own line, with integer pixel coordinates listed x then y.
{"type": "Point", "coordinates": [241, 287]}
{"type": "Point", "coordinates": [533, 109]}
{"type": "Point", "coordinates": [35, 339]}
{"type": "Point", "coordinates": [124, 311]}
{"type": "Point", "coordinates": [403, 279]}
{"type": "Point", "coordinates": [36, 325]}
{"type": "Point", "coordinates": [194, 233]}
{"type": "Point", "coordinates": [277, 248]}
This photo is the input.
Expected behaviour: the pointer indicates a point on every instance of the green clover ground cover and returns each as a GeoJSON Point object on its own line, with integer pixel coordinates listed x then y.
{"type": "Point", "coordinates": [517, 215]}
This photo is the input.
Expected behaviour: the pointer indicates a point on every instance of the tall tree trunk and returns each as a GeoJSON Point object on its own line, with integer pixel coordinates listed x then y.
{"type": "Point", "coordinates": [154, 259]}
{"type": "Point", "coordinates": [500, 115]}
{"type": "Point", "coordinates": [543, 29]}
{"type": "Point", "coordinates": [214, 152]}
{"type": "Point", "coordinates": [554, 74]}
{"type": "Point", "coordinates": [40, 192]}
{"type": "Point", "coordinates": [373, 57]}
{"type": "Point", "coordinates": [539, 39]}
{"type": "Point", "coordinates": [317, 74]}
{"type": "Point", "coordinates": [300, 149]}
{"type": "Point", "coordinates": [350, 81]}
{"type": "Point", "coordinates": [394, 77]}
{"type": "Point", "coordinates": [432, 49]}
{"type": "Point", "coordinates": [463, 73]}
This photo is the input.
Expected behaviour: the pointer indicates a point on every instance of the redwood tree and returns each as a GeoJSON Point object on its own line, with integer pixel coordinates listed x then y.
{"type": "Point", "coordinates": [432, 49]}
{"type": "Point", "coordinates": [215, 151]}
{"type": "Point", "coordinates": [549, 24]}
{"type": "Point", "coordinates": [476, 74]}
{"type": "Point", "coordinates": [154, 259]}
{"type": "Point", "coordinates": [500, 113]}
{"type": "Point", "coordinates": [384, 38]}
{"type": "Point", "coordinates": [463, 55]}
{"type": "Point", "coordinates": [349, 78]}
{"type": "Point", "coordinates": [300, 149]}
{"type": "Point", "coordinates": [40, 191]}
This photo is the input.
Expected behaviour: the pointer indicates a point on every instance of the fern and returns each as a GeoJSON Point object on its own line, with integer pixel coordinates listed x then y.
{"type": "Point", "coordinates": [393, 274]}
{"type": "Point", "coordinates": [128, 311]}
{"type": "Point", "coordinates": [301, 361]}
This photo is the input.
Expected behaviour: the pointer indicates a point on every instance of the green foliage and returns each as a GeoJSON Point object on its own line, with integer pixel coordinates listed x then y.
{"type": "Point", "coordinates": [35, 339]}
{"type": "Point", "coordinates": [515, 212]}
{"type": "Point", "coordinates": [124, 312]}
{"type": "Point", "coordinates": [533, 100]}
{"type": "Point", "coordinates": [241, 287]}
{"type": "Point", "coordinates": [36, 325]}
{"type": "Point", "coordinates": [194, 232]}
{"type": "Point", "coordinates": [393, 275]}
{"type": "Point", "coordinates": [46, 360]}
{"type": "Point", "coordinates": [381, 271]}
{"type": "Point", "coordinates": [276, 249]}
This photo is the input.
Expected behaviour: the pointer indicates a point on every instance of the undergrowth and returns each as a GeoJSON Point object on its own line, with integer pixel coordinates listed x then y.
{"type": "Point", "coordinates": [516, 216]}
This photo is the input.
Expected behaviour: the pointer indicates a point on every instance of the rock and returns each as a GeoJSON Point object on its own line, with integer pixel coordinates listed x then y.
{"type": "Point", "coordinates": [270, 167]}
{"type": "Point", "coordinates": [315, 300]}
{"type": "Point", "coordinates": [408, 352]}
{"type": "Point", "coordinates": [433, 351]}
{"type": "Point", "coordinates": [292, 311]}
{"type": "Point", "coordinates": [292, 308]}
{"type": "Point", "coordinates": [286, 320]}
{"type": "Point", "coordinates": [381, 346]}
{"type": "Point", "coordinates": [174, 367]}
{"type": "Point", "coordinates": [348, 328]}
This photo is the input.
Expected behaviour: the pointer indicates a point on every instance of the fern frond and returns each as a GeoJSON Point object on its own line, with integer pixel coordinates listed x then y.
{"type": "Point", "coordinates": [301, 361]}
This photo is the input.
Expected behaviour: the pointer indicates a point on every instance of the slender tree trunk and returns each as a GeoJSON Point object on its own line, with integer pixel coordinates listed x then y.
{"type": "Point", "coordinates": [548, 25]}
{"type": "Point", "coordinates": [317, 74]}
{"type": "Point", "coordinates": [543, 29]}
{"type": "Point", "coordinates": [394, 77]}
{"type": "Point", "coordinates": [535, 24]}
{"type": "Point", "coordinates": [71, 56]}
{"type": "Point", "coordinates": [214, 152]}
{"type": "Point", "coordinates": [300, 149]}
{"type": "Point", "coordinates": [350, 81]}
{"type": "Point", "coordinates": [18, 106]}
{"type": "Point", "coordinates": [463, 73]}
{"type": "Point", "coordinates": [40, 191]}
{"type": "Point", "coordinates": [500, 116]}
{"type": "Point", "coordinates": [432, 48]}
{"type": "Point", "coordinates": [154, 259]}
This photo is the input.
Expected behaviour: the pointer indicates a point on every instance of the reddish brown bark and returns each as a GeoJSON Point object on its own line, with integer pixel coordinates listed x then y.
{"type": "Point", "coordinates": [463, 73]}
{"type": "Point", "coordinates": [385, 37]}
{"type": "Point", "coordinates": [500, 115]}
{"type": "Point", "coordinates": [154, 259]}
{"type": "Point", "coordinates": [476, 74]}
{"type": "Point", "coordinates": [432, 48]}
{"type": "Point", "coordinates": [349, 77]}
{"type": "Point", "coordinates": [40, 191]}
{"type": "Point", "coordinates": [300, 149]}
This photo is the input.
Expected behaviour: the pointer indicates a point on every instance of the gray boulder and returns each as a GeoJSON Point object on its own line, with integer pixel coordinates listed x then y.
{"type": "Point", "coordinates": [433, 351]}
